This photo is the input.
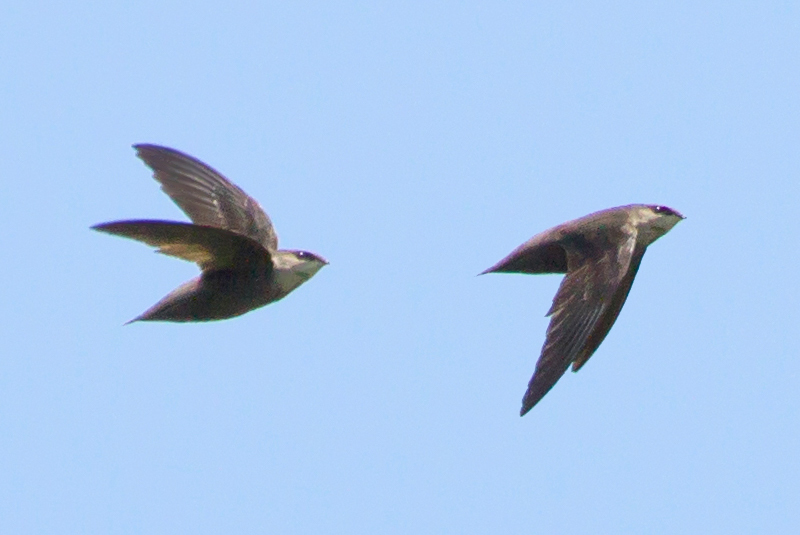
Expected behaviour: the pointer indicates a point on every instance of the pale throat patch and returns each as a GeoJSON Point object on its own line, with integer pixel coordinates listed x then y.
{"type": "Point", "coordinates": [651, 225]}
{"type": "Point", "coordinates": [287, 280]}
{"type": "Point", "coordinates": [290, 271]}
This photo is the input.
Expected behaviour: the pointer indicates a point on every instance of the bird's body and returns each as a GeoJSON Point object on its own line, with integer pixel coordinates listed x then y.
{"type": "Point", "coordinates": [231, 239]}
{"type": "Point", "coordinates": [600, 255]}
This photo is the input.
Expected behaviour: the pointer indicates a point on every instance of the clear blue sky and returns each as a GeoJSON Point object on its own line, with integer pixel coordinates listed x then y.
{"type": "Point", "coordinates": [413, 146]}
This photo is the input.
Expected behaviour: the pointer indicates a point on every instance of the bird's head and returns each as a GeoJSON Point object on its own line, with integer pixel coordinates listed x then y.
{"type": "Point", "coordinates": [656, 220]}
{"type": "Point", "coordinates": [293, 268]}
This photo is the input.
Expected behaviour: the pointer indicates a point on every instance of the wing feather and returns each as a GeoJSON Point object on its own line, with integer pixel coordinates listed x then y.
{"type": "Point", "coordinates": [211, 248]}
{"type": "Point", "coordinates": [206, 196]}
{"type": "Point", "coordinates": [584, 308]}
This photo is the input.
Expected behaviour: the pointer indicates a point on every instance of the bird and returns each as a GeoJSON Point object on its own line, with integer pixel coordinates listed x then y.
{"type": "Point", "coordinates": [230, 238]}
{"type": "Point", "coordinates": [600, 254]}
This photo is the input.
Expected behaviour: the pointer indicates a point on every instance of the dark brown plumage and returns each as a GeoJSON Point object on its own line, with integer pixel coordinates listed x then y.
{"type": "Point", "coordinates": [600, 255]}
{"type": "Point", "coordinates": [231, 238]}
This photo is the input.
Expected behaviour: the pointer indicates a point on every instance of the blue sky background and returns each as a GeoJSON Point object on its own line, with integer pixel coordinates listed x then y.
{"type": "Point", "coordinates": [412, 145]}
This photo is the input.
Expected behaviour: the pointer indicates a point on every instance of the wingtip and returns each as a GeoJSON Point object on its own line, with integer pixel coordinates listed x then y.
{"type": "Point", "coordinates": [529, 401]}
{"type": "Point", "coordinates": [142, 148]}
{"type": "Point", "coordinates": [109, 226]}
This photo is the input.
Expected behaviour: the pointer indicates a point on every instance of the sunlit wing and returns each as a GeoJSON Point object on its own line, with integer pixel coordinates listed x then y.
{"type": "Point", "coordinates": [210, 247]}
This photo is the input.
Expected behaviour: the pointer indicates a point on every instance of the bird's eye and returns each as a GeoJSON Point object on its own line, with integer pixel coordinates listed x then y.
{"type": "Point", "coordinates": [663, 210]}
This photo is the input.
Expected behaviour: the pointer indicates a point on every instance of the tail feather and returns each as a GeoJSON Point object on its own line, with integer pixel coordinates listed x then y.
{"type": "Point", "coordinates": [181, 304]}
